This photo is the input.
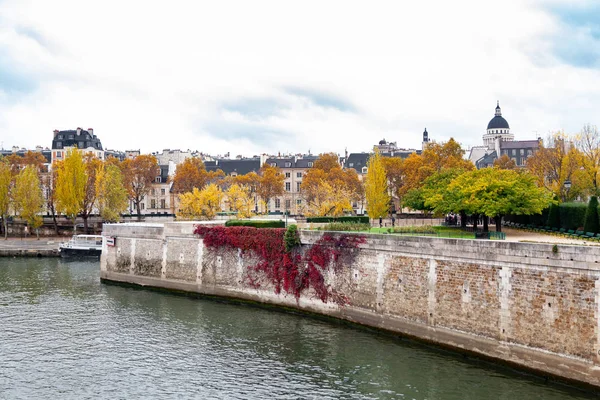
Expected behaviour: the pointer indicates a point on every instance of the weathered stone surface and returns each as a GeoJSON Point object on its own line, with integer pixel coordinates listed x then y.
{"type": "Point", "coordinates": [519, 302]}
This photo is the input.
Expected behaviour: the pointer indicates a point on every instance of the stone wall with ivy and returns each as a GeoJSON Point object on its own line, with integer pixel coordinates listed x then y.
{"type": "Point", "coordinates": [533, 305]}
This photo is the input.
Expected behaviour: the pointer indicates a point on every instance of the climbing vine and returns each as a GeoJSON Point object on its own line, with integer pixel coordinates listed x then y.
{"type": "Point", "coordinates": [283, 262]}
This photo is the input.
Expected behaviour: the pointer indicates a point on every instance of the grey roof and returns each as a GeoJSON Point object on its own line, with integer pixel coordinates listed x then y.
{"type": "Point", "coordinates": [520, 144]}
{"type": "Point", "coordinates": [68, 138]}
{"type": "Point", "coordinates": [292, 162]}
{"type": "Point", "coordinates": [47, 153]}
{"type": "Point", "coordinates": [164, 173]}
{"type": "Point", "coordinates": [486, 160]}
{"type": "Point", "coordinates": [359, 160]}
{"type": "Point", "coordinates": [239, 166]}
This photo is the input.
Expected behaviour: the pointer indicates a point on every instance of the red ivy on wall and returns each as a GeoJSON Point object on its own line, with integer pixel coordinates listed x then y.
{"type": "Point", "coordinates": [293, 271]}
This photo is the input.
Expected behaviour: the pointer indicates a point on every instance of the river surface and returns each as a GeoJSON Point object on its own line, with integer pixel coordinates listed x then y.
{"type": "Point", "coordinates": [64, 335]}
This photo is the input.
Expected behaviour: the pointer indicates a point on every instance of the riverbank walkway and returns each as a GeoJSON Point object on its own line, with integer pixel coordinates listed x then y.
{"type": "Point", "coordinates": [30, 246]}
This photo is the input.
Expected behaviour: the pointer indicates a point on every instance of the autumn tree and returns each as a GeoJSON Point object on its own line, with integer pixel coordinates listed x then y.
{"type": "Point", "coordinates": [394, 172]}
{"type": "Point", "coordinates": [270, 184]}
{"type": "Point", "coordinates": [28, 197]}
{"type": "Point", "coordinates": [35, 159]}
{"type": "Point", "coordinates": [189, 175]}
{"type": "Point", "coordinates": [139, 174]}
{"type": "Point", "coordinates": [240, 200]}
{"type": "Point", "coordinates": [327, 189]}
{"type": "Point", "coordinates": [556, 162]}
{"type": "Point", "coordinates": [376, 189]}
{"type": "Point", "coordinates": [505, 162]}
{"type": "Point", "coordinates": [200, 204]}
{"type": "Point", "coordinates": [110, 192]}
{"type": "Point", "coordinates": [434, 158]}
{"type": "Point", "coordinates": [70, 185]}
{"type": "Point", "coordinates": [6, 182]}
{"type": "Point", "coordinates": [588, 143]}
{"type": "Point", "coordinates": [48, 181]}
{"type": "Point", "coordinates": [92, 164]}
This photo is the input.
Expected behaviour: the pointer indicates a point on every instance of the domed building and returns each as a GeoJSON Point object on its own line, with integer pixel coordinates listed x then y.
{"type": "Point", "coordinates": [498, 140]}
{"type": "Point", "coordinates": [497, 128]}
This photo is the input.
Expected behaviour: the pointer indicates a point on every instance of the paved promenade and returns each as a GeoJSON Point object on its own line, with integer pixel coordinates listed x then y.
{"type": "Point", "coordinates": [45, 247]}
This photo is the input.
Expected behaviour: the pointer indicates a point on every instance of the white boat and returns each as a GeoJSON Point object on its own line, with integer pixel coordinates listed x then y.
{"type": "Point", "coordinates": [82, 246]}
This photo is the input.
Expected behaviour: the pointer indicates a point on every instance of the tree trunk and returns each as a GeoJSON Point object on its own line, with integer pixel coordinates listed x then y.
{"type": "Point", "coordinates": [5, 228]}
{"type": "Point", "coordinates": [54, 219]}
{"type": "Point", "coordinates": [498, 223]}
{"type": "Point", "coordinates": [463, 220]}
{"type": "Point", "coordinates": [85, 222]}
{"type": "Point", "coordinates": [485, 224]}
{"type": "Point", "coordinates": [139, 210]}
{"type": "Point", "coordinates": [74, 225]}
{"type": "Point", "coordinates": [37, 233]}
{"type": "Point", "coordinates": [474, 216]}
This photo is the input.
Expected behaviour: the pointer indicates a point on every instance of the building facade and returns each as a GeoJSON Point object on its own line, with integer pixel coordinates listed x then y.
{"type": "Point", "coordinates": [498, 140]}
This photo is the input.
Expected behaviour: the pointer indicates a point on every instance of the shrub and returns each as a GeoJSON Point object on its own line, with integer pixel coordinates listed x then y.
{"type": "Point", "coordinates": [291, 239]}
{"type": "Point", "coordinates": [591, 216]}
{"type": "Point", "coordinates": [357, 219]}
{"type": "Point", "coordinates": [553, 216]}
{"type": "Point", "coordinates": [256, 223]}
{"type": "Point", "coordinates": [572, 215]}
{"type": "Point", "coordinates": [347, 226]}
{"type": "Point", "coordinates": [415, 229]}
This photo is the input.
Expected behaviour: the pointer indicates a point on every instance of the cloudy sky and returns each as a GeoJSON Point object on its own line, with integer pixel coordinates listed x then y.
{"type": "Point", "coordinates": [249, 77]}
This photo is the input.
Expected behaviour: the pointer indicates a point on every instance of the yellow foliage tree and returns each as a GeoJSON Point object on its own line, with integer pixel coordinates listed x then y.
{"type": "Point", "coordinates": [6, 182]}
{"type": "Point", "coordinates": [556, 162]}
{"type": "Point", "coordinates": [110, 191]}
{"type": "Point", "coordinates": [329, 200]}
{"type": "Point", "coordinates": [240, 200]}
{"type": "Point", "coordinates": [200, 204]}
{"type": "Point", "coordinates": [28, 197]}
{"type": "Point", "coordinates": [270, 184]}
{"type": "Point", "coordinates": [376, 189]}
{"type": "Point", "coordinates": [71, 182]}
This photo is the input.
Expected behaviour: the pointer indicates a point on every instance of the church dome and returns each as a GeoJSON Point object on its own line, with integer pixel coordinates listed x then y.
{"type": "Point", "coordinates": [498, 122]}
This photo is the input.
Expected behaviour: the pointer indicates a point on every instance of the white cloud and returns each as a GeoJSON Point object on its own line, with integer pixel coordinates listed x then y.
{"type": "Point", "coordinates": [217, 76]}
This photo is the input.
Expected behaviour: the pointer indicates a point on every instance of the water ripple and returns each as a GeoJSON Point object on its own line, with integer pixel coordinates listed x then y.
{"type": "Point", "coordinates": [64, 335]}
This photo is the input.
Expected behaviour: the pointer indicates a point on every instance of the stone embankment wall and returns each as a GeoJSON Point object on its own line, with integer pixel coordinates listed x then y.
{"type": "Point", "coordinates": [521, 303]}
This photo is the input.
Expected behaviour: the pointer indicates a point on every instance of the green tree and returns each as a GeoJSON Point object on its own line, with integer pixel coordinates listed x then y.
{"type": "Point", "coordinates": [376, 189]}
{"type": "Point", "coordinates": [28, 197]}
{"type": "Point", "coordinates": [111, 193]}
{"type": "Point", "coordinates": [495, 192]}
{"type": "Point", "coordinates": [71, 182]}
{"type": "Point", "coordinates": [6, 182]}
{"type": "Point", "coordinates": [591, 216]}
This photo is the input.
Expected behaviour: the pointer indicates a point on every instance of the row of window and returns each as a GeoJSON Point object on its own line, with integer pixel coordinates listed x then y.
{"type": "Point", "coordinates": [288, 203]}
{"type": "Point", "coordinates": [153, 192]}
{"type": "Point", "coordinates": [289, 174]}
{"type": "Point", "coordinates": [521, 152]}
{"type": "Point", "coordinates": [289, 165]}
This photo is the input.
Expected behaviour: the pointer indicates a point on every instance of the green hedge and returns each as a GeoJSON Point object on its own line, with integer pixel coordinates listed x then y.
{"type": "Point", "coordinates": [347, 226]}
{"type": "Point", "coordinates": [571, 217]}
{"type": "Point", "coordinates": [363, 220]}
{"type": "Point", "coordinates": [276, 223]}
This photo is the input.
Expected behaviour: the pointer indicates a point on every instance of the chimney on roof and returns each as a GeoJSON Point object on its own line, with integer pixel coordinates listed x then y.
{"type": "Point", "coordinates": [78, 131]}
{"type": "Point", "coordinates": [56, 132]}
{"type": "Point", "coordinates": [91, 131]}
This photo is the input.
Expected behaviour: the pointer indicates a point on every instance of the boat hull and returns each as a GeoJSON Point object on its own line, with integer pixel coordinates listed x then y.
{"type": "Point", "coordinates": [67, 252]}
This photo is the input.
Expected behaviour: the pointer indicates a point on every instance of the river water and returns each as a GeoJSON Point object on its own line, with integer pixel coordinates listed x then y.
{"type": "Point", "coordinates": [65, 335]}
